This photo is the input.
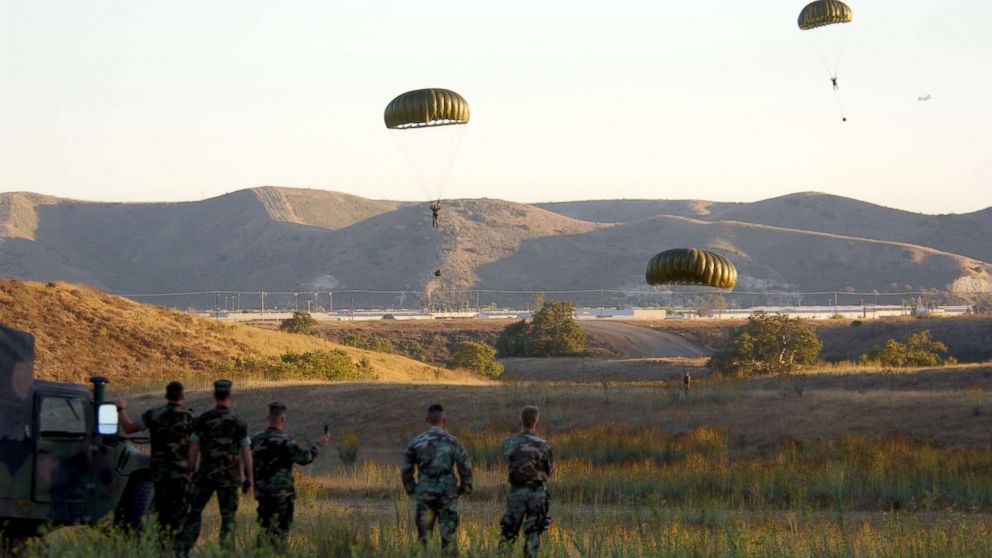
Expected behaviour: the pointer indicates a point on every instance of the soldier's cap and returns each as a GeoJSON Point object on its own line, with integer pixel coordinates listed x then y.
{"type": "Point", "coordinates": [222, 387]}
{"type": "Point", "coordinates": [276, 407]}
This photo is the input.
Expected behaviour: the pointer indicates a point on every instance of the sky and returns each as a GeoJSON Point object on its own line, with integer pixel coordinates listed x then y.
{"type": "Point", "coordinates": [719, 100]}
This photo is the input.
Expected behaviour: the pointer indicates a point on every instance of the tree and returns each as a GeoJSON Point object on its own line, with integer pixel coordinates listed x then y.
{"type": "Point", "coordinates": [301, 322]}
{"type": "Point", "coordinates": [768, 344]}
{"type": "Point", "coordinates": [514, 340]}
{"type": "Point", "coordinates": [552, 332]}
{"type": "Point", "coordinates": [478, 357]}
{"type": "Point", "coordinates": [916, 349]}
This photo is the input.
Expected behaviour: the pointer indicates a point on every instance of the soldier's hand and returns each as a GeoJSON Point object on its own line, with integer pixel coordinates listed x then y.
{"type": "Point", "coordinates": [323, 440]}
{"type": "Point", "coordinates": [121, 404]}
{"type": "Point", "coordinates": [246, 487]}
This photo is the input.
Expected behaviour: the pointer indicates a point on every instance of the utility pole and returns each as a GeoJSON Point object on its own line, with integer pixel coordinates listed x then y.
{"type": "Point", "coordinates": [263, 304]}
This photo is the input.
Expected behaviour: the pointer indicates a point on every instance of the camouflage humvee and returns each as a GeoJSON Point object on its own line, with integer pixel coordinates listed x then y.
{"type": "Point", "coordinates": [61, 459]}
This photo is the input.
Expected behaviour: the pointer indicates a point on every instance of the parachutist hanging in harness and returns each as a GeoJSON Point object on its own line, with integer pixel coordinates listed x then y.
{"type": "Point", "coordinates": [435, 213]}
{"type": "Point", "coordinates": [833, 80]}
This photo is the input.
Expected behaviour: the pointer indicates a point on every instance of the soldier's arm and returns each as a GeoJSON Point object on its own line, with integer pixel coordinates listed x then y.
{"type": "Point", "coordinates": [464, 470]}
{"type": "Point", "coordinates": [246, 459]}
{"type": "Point", "coordinates": [194, 453]}
{"type": "Point", "coordinates": [301, 455]}
{"type": "Point", "coordinates": [406, 471]}
{"type": "Point", "coordinates": [127, 425]}
{"type": "Point", "coordinates": [551, 460]}
{"type": "Point", "coordinates": [249, 466]}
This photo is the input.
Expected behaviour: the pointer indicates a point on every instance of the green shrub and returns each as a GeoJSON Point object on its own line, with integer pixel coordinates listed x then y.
{"type": "Point", "coordinates": [369, 342]}
{"type": "Point", "coordinates": [478, 357]}
{"type": "Point", "coordinates": [335, 365]}
{"type": "Point", "coordinates": [916, 349]}
{"type": "Point", "coordinates": [348, 448]}
{"type": "Point", "coordinates": [768, 344]}
{"type": "Point", "coordinates": [301, 322]}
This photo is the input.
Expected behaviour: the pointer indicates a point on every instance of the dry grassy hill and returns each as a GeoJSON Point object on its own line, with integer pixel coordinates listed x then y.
{"type": "Point", "coordinates": [80, 332]}
{"type": "Point", "coordinates": [284, 239]}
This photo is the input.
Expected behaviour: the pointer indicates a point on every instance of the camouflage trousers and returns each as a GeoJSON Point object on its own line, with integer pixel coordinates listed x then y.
{"type": "Point", "coordinates": [275, 515]}
{"type": "Point", "coordinates": [526, 506]}
{"type": "Point", "coordinates": [434, 509]}
{"type": "Point", "coordinates": [171, 506]}
{"type": "Point", "coordinates": [227, 500]}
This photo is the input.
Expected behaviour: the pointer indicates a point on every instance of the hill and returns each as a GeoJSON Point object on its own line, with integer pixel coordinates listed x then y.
{"type": "Point", "coordinates": [80, 332]}
{"type": "Point", "coordinates": [963, 234]}
{"type": "Point", "coordinates": [285, 239]}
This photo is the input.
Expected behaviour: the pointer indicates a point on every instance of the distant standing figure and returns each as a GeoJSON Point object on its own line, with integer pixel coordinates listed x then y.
{"type": "Point", "coordinates": [169, 428]}
{"type": "Point", "coordinates": [219, 438]}
{"type": "Point", "coordinates": [435, 456]}
{"type": "Point", "coordinates": [436, 213]}
{"type": "Point", "coordinates": [686, 381]}
{"type": "Point", "coordinates": [273, 456]}
{"type": "Point", "coordinates": [529, 458]}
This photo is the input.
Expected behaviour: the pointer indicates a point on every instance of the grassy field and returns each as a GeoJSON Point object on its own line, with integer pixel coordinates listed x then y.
{"type": "Point", "coordinates": [833, 463]}
{"type": "Point", "coordinates": [839, 461]}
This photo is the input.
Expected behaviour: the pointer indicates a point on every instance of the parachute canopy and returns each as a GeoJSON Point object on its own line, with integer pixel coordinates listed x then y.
{"type": "Point", "coordinates": [824, 12]}
{"type": "Point", "coordinates": [426, 107]}
{"type": "Point", "coordinates": [691, 266]}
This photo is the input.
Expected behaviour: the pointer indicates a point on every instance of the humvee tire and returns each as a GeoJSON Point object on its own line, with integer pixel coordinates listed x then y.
{"type": "Point", "coordinates": [135, 504]}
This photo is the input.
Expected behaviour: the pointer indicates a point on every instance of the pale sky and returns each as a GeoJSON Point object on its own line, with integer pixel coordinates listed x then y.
{"type": "Point", "coordinates": [720, 100]}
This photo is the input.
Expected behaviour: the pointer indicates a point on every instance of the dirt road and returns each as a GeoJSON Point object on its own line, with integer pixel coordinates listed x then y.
{"type": "Point", "coordinates": [634, 341]}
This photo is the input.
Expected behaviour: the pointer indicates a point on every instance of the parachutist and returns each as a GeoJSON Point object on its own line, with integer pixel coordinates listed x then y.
{"type": "Point", "coordinates": [833, 80]}
{"type": "Point", "coordinates": [435, 213]}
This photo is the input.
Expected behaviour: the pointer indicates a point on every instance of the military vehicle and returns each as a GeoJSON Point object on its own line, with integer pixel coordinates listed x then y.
{"type": "Point", "coordinates": [61, 458]}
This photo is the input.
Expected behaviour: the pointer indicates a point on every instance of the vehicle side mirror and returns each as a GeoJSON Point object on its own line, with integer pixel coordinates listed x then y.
{"type": "Point", "coordinates": [106, 419]}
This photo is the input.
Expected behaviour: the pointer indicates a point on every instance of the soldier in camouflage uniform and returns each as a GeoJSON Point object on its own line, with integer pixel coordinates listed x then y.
{"type": "Point", "coordinates": [273, 455]}
{"type": "Point", "coordinates": [530, 460]}
{"type": "Point", "coordinates": [219, 437]}
{"type": "Point", "coordinates": [435, 455]}
{"type": "Point", "coordinates": [169, 427]}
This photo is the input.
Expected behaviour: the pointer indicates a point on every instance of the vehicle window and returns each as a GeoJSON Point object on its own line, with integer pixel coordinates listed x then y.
{"type": "Point", "coordinates": [62, 416]}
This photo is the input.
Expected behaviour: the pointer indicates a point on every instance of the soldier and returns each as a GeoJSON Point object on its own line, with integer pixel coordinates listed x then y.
{"type": "Point", "coordinates": [273, 454]}
{"type": "Point", "coordinates": [169, 427]}
{"type": "Point", "coordinates": [219, 436]}
{"type": "Point", "coordinates": [530, 460]}
{"type": "Point", "coordinates": [435, 454]}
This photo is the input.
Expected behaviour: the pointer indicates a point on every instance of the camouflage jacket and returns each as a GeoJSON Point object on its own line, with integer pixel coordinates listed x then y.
{"type": "Point", "coordinates": [273, 456]}
{"type": "Point", "coordinates": [169, 427]}
{"type": "Point", "coordinates": [221, 435]}
{"type": "Point", "coordinates": [435, 455]}
{"type": "Point", "coordinates": [529, 458]}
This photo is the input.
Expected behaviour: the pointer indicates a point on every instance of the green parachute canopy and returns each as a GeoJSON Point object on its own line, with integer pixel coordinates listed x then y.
{"type": "Point", "coordinates": [691, 266]}
{"type": "Point", "coordinates": [426, 107]}
{"type": "Point", "coordinates": [824, 12]}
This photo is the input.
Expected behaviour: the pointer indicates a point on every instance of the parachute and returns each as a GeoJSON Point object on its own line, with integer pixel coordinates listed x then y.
{"type": "Point", "coordinates": [824, 12]}
{"type": "Point", "coordinates": [823, 22]}
{"type": "Point", "coordinates": [426, 107]}
{"type": "Point", "coordinates": [691, 266]}
{"type": "Point", "coordinates": [427, 125]}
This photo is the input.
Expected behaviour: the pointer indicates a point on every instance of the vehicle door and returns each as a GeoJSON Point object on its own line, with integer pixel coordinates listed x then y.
{"type": "Point", "coordinates": [62, 454]}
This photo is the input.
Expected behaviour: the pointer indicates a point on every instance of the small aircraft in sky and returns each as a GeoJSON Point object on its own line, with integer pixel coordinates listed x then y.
{"type": "Point", "coordinates": [923, 97]}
